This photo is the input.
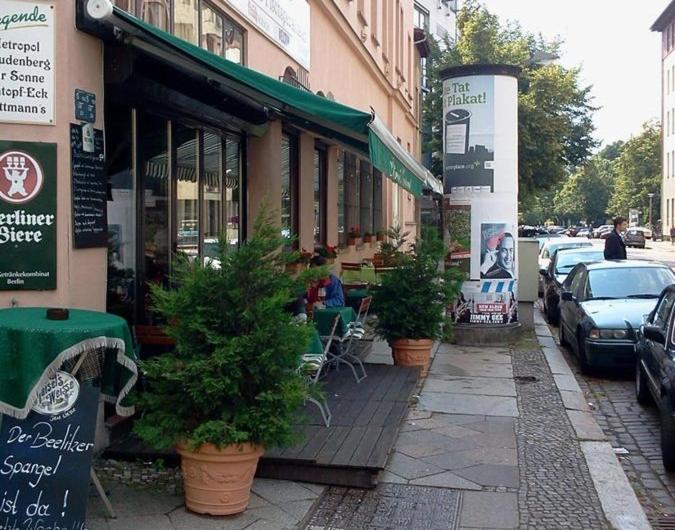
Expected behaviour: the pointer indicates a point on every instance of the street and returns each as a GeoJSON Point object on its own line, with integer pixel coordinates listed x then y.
{"type": "Point", "coordinates": [632, 429]}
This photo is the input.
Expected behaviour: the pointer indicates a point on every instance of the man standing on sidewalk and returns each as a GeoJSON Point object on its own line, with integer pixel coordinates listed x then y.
{"type": "Point", "coordinates": [615, 248]}
{"type": "Point", "coordinates": [672, 235]}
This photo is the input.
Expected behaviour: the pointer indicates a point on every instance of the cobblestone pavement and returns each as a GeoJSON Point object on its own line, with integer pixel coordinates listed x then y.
{"type": "Point", "coordinates": [556, 489]}
{"type": "Point", "coordinates": [635, 428]}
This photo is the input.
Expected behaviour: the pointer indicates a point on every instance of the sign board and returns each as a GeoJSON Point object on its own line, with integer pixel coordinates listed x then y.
{"type": "Point", "coordinates": [89, 191]}
{"type": "Point", "coordinates": [286, 22]}
{"type": "Point", "coordinates": [45, 459]}
{"type": "Point", "coordinates": [26, 62]}
{"type": "Point", "coordinates": [468, 139]}
{"type": "Point", "coordinates": [85, 106]}
{"type": "Point", "coordinates": [27, 216]}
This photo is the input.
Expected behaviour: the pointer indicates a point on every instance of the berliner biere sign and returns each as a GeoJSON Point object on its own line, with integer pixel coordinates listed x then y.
{"type": "Point", "coordinates": [27, 216]}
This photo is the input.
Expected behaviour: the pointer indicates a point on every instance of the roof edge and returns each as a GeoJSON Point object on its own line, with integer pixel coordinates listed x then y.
{"type": "Point", "coordinates": [481, 69]}
{"type": "Point", "coordinates": [664, 18]}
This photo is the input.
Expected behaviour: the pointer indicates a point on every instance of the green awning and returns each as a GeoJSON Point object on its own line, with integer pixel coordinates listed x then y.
{"type": "Point", "coordinates": [362, 131]}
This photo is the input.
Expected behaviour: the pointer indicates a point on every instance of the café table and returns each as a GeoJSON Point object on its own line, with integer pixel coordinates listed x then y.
{"type": "Point", "coordinates": [365, 275]}
{"type": "Point", "coordinates": [33, 347]}
{"type": "Point", "coordinates": [323, 319]}
{"type": "Point", "coordinates": [354, 297]}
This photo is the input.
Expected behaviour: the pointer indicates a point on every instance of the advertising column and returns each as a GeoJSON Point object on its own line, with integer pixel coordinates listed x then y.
{"type": "Point", "coordinates": [480, 176]}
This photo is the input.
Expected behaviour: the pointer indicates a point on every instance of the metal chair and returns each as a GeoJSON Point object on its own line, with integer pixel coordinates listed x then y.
{"type": "Point", "coordinates": [312, 365]}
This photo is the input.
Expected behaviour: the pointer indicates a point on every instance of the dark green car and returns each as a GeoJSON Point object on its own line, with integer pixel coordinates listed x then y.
{"type": "Point", "coordinates": [603, 304]}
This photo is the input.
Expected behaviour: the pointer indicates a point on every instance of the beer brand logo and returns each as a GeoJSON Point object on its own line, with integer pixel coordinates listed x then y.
{"type": "Point", "coordinates": [20, 177]}
{"type": "Point", "coordinates": [58, 394]}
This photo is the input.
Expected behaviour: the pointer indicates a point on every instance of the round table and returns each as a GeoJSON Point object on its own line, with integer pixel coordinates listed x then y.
{"type": "Point", "coordinates": [32, 348]}
{"type": "Point", "coordinates": [323, 319]}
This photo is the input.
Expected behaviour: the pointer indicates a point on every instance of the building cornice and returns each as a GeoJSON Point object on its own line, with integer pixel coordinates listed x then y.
{"type": "Point", "coordinates": [665, 18]}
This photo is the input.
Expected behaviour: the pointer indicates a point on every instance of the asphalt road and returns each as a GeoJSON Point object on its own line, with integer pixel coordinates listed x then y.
{"type": "Point", "coordinates": [633, 430]}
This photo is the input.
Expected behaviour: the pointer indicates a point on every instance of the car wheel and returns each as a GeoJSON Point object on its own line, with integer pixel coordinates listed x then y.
{"type": "Point", "coordinates": [551, 314]}
{"type": "Point", "coordinates": [667, 436]}
{"type": "Point", "coordinates": [641, 391]}
{"type": "Point", "coordinates": [581, 355]}
{"type": "Point", "coordinates": [561, 335]}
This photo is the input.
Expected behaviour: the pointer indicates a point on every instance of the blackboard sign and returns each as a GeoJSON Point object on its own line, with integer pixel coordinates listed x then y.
{"type": "Point", "coordinates": [45, 461]}
{"type": "Point", "coordinates": [89, 191]}
{"type": "Point", "coordinates": [85, 106]}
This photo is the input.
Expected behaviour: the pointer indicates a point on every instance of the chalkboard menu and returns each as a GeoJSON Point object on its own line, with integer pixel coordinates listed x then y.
{"type": "Point", "coordinates": [89, 191]}
{"type": "Point", "coordinates": [45, 461]}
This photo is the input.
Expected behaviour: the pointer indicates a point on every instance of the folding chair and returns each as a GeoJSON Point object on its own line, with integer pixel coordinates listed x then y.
{"type": "Point", "coordinates": [345, 343]}
{"type": "Point", "coordinates": [312, 365]}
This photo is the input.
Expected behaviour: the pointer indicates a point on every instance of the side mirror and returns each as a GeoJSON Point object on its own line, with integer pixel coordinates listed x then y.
{"type": "Point", "coordinates": [543, 272]}
{"type": "Point", "coordinates": [654, 333]}
{"type": "Point", "coordinates": [567, 296]}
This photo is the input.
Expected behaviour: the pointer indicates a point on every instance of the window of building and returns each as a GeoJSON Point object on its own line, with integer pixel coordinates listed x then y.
{"type": "Point", "coordinates": [668, 213]}
{"type": "Point", "coordinates": [668, 123]}
{"type": "Point", "coordinates": [351, 191]}
{"type": "Point", "coordinates": [667, 165]}
{"type": "Point", "coordinates": [289, 188]}
{"type": "Point", "coordinates": [340, 178]}
{"type": "Point", "coordinates": [374, 21]}
{"type": "Point", "coordinates": [156, 12]}
{"type": "Point", "coordinates": [186, 20]}
{"type": "Point", "coordinates": [378, 213]}
{"type": "Point", "coordinates": [421, 17]}
{"type": "Point", "coordinates": [186, 177]}
{"type": "Point", "coordinates": [319, 228]}
{"type": "Point", "coordinates": [366, 196]}
{"type": "Point", "coordinates": [220, 35]}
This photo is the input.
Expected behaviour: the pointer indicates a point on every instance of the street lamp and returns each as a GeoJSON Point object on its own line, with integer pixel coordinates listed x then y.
{"type": "Point", "coordinates": [650, 195]}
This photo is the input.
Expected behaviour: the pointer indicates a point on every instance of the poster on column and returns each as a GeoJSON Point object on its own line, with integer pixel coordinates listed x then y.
{"type": "Point", "coordinates": [486, 302]}
{"type": "Point", "coordinates": [468, 134]}
{"type": "Point", "coordinates": [45, 459]}
{"type": "Point", "coordinates": [497, 251]}
{"type": "Point", "coordinates": [457, 234]}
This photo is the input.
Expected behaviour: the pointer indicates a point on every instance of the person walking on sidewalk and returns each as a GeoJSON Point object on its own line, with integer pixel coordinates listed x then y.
{"type": "Point", "coordinates": [672, 235]}
{"type": "Point", "coordinates": [615, 248]}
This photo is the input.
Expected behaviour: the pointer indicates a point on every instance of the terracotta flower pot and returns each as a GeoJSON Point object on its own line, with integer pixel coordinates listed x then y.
{"type": "Point", "coordinates": [367, 239]}
{"type": "Point", "coordinates": [218, 481]}
{"type": "Point", "coordinates": [380, 237]}
{"type": "Point", "coordinates": [411, 352]}
{"type": "Point", "coordinates": [351, 241]}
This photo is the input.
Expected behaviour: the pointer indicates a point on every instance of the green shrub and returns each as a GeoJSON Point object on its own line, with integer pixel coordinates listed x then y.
{"type": "Point", "coordinates": [412, 299]}
{"type": "Point", "coordinates": [232, 377]}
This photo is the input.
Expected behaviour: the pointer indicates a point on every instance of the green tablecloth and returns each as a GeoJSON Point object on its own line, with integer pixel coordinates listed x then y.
{"type": "Point", "coordinates": [365, 275]}
{"type": "Point", "coordinates": [32, 348]}
{"type": "Point", "coordinates": [323, 319]}
{"type": "Point", "coordinates": [355, 296]}
{"type": "Point", "coordinates": [315, 344]}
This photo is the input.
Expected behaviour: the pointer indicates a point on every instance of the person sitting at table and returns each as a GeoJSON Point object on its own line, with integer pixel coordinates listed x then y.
{"type": "Point", "coordinates": [334, 296]}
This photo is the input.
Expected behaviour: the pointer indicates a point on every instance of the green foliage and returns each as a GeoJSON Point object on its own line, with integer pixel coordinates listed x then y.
{"type": "Point", "coordinates": [412, 299]}
{"type": "Point", "coordinates": [638, 172]}
{"type": "Point", "coordinates": [392, 249]}
{"type": "Point", "coordinates": [585, 194]}
{"type": "Point", "coordinates": [554, 116]}
{"type": "Point", "coordinates": [233, 375]}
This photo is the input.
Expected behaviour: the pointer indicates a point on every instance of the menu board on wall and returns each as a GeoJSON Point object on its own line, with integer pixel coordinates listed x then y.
{"type": "Point", "coordinates": [26, 62]}
{"type": "Point", "coordinates": [89, 191]}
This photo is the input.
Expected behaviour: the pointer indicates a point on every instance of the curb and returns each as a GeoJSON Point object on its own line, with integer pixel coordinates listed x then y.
{"type": "Point", "coordinates": [618, 500]}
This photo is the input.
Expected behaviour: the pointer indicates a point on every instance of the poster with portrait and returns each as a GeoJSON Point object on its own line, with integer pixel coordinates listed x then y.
{"type": "Point", "coordinates": [458, 235]}
{"type": "Point", "coordinates": [497, 251]}
{"type": "Point", "coordinates": [486, 302]}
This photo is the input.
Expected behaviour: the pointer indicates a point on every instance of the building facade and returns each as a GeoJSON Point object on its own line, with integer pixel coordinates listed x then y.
{"type": "Point", "coordinates": [190, 142]}
{"type": "Point", "coordinates": [665, 24]}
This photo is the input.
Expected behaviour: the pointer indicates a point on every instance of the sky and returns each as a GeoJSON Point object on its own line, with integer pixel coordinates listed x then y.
{"type": "Point", "coordinates": [611, 41]}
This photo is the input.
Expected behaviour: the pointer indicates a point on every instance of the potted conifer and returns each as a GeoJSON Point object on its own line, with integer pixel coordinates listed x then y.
{"type": "Point", "coordinates": [231, 386]}
{"type": "Point", "coordinates": [412, 299]}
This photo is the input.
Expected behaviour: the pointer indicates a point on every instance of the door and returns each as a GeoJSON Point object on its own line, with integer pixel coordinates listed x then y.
{"type": "Point", "coordinates": [656, 355]}
{"type": "Point", "coordinates": [568, 308]}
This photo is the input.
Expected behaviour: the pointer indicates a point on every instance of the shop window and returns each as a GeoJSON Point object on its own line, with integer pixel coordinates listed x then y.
{"type": "Point", "coordinates": [186, 20]}
{"type": "Point", "coordinates": [212, 217]}
{"type": "Point", "coordinates": [289, 188]}
{"type": "Point", "coordinates": [340, 178]}
{"type": "Point", "coordinates": [319, 228]}
{"type": "Point", "coordinates": [366, 198]}
{"type": "Point", "coordinates": [156, 12]}
{"type": "Point", "coordinates": [233, 179]}
{"type": "Point", "coordinates": [378, 214]}
{"type": "Point", "coordinates": [351, 191]}
{"type": "Point", "coordinates": [187, 191]}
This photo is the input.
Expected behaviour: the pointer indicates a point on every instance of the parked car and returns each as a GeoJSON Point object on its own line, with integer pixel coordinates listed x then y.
{"type": "Point", "coordinates": [603, 303]}
{"type": "Point", "coordinates": [634, 238]}
{"type": "Point", "coordinates": [562, 262]}
{"type": "Point", "coordinates": [602, 228]}
{"type": "Point", "coordinates": [604, 234]}
{"type": "Point", "coordinates": [584, 232]}
{"type": "Point", "coordinates": [645, 231]}
{"type": "Point", "coordinates": [655, 369]}
{"type": "Point", "coordinates": [550, 247]}
{"type": "Point", "coordinates": [544, 239]}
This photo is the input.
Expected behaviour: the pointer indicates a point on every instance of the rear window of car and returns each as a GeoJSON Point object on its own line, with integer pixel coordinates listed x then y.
{"type": "Point", "coordinates": [568, 244]}
{"type": "Point", "coordinates": [628, 282]}
{"type": "Point", "coordinates": [568, 260]}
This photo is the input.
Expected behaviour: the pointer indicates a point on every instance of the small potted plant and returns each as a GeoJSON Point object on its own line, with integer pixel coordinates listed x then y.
{"type": "Point", "coordinates": [380, 234]}
{"type": "Point", "coordinates": [327, 251]}
{"type": "Point", "coordinates": [367, 237]}
{"type": "Point", "coordinates": [231, 387]}
{"type": "Point", "coordinates": [411, 302]}
{"type": "Point", "coordinates": [300, 261]}
{"type": "Point", "coordinates": [353, 235]}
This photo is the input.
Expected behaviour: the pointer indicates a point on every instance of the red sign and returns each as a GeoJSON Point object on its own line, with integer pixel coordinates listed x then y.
{"type": "Point", "coordinates": [20, 177]}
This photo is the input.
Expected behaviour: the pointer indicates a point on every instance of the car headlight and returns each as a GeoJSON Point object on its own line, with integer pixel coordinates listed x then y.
{"type": "Point", "coordinates": [608, 334]}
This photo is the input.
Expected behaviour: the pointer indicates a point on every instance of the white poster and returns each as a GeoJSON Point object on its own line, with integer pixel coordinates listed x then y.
{"type": "Point", "coordinates": [286, 22]}
{"type": "Point", "coordinates": [26, 62]}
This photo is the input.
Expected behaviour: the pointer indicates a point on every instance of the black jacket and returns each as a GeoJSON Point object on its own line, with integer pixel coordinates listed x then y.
{"type": "Point", "coordinates": [615, 248]}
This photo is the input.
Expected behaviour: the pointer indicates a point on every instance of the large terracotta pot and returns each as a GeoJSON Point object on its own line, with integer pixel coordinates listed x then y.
{"type": "Point", "coordinates": [412, 352]}
{"type": "Point", "coordinates": [218, 481]}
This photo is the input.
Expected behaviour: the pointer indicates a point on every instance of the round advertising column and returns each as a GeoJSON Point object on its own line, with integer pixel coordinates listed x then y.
{"type": "Point", "coordinates": [480, 176]}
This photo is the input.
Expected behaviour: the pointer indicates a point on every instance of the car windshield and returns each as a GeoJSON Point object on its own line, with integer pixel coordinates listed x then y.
{"type": "Point", "coordinates": [553, 247]}
{"type": "Point", "coordinates": [566, 262]}
{"type": "Point", "coordinates": [628, 282]}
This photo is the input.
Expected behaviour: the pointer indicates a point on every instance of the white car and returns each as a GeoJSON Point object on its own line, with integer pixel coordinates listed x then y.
{"type": "Point", "coordinates": [550, 247]}
{"type": "Point", "coordinates": [645, 231]}
{"type": "Point", "coordinates": [584, 232]}
{"type": "Point", "coordinates": [602, 228]}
